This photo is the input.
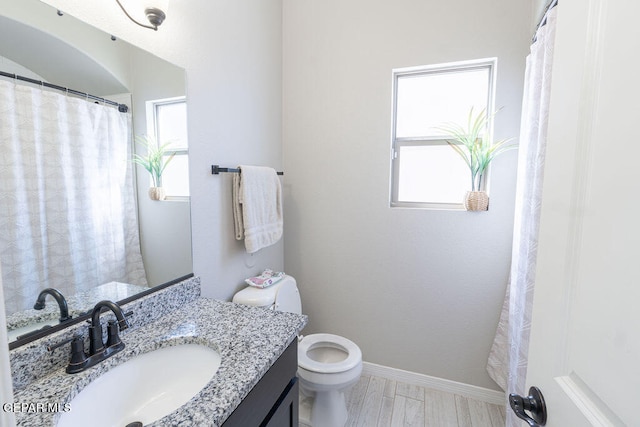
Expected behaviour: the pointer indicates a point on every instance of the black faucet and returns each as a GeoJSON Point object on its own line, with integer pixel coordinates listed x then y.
{"type": "Point", "coordinates": [62, 302]}
{"type": "Point", "coordinates": [96, 345]}
{"type": "Point", "coordinates": [98, 349]}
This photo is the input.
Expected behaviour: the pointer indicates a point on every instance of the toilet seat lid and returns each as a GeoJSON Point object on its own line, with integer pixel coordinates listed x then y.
{"type": "Point", "coordinates": [309, 342]}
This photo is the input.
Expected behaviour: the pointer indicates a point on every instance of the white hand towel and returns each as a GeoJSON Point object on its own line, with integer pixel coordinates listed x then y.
{"type": "Point", "coordinates": [257, 207]}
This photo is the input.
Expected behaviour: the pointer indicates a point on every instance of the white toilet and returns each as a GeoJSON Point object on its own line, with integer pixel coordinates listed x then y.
{"type": "Point", "coordinates": [327, 364]}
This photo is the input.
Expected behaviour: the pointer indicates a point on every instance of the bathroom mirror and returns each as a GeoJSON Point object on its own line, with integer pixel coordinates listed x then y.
{"type": "Point", "coordinates": [38, 42]}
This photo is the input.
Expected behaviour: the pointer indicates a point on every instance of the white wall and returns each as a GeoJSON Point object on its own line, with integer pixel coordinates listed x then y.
{"type": "Point", "coordinates": [93, 43]}
{"type": "Point", "coordinates": [538, 7]}
{"type": "Point", "coordinates": [234, 82]}
{"type": "Point", "coordinates": [418, 290]}
{"type": "Point", "coordinates": [12, 67]}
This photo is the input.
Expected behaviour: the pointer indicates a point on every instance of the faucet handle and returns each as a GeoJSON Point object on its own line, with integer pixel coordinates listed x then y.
{"type": "Point", "coordinates": [78, 356]}
{"type": "Point", "coordinates": [77, 351]}
{"type": "Point", "coordinates": [112, 334]}
{"type": "Point", "coordinates": [95, 339]}
{"type": "Point", "coordinates": [114, 327]}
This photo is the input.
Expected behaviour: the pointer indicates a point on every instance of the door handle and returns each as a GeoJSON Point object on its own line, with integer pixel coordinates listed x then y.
{"type": "Point", "coordinates": [534, 403]}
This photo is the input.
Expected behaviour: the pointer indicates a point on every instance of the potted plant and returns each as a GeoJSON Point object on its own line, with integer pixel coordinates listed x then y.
{"type": "Point", "coordinates": [473, 143]}
{"type": "Point", "coordinates": [154, 162]}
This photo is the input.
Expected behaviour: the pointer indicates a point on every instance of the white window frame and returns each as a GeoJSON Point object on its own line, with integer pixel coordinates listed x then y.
{"type": "Point", "coordinates": [152, 129]}
{"type": "Point", "coordinates": [427, 140]}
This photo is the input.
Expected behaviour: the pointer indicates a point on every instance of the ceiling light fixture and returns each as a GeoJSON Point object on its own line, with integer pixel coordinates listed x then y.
{"type": "Point", "coordinates": [154, 13]}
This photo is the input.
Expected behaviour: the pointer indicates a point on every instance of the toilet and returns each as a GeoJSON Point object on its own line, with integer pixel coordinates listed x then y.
{"type": "Point", "coordinates": [327, 364]}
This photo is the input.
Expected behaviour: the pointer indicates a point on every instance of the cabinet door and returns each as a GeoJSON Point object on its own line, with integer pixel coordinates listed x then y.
{"type": "Point", "coordinates": [261, 403]}
{"type": "Point", "coordinates": [286, 410]}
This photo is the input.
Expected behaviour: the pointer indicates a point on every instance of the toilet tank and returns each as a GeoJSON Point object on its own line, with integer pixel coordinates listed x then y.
{"type": "Point", "coordinates": [283, 296]}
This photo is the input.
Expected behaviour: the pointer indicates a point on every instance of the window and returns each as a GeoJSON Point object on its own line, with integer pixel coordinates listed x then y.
{"type": "Point", "coordinates": [167, 122]}
{"type": "Point", "coordinates": [426, 172]}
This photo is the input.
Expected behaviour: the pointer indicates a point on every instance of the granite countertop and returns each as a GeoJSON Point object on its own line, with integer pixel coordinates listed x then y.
{"type": "Point", "coordinates": [249, 340]}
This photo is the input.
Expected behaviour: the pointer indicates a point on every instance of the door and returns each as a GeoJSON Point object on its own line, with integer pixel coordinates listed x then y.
{"type": "Point", "coordinates": [585, 340]}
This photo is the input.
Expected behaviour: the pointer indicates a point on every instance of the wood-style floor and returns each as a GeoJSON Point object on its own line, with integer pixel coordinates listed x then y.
{"type": "Point", "coordinates": [380, 402]}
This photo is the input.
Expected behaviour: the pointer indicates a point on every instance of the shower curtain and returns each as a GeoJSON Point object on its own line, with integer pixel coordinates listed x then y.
{"type": "Point", "coordinates": [68, 217]}
{"type": "Point", "coordinates": [507, 363]}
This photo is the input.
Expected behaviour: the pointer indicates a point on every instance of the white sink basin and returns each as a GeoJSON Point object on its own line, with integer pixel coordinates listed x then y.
{"type": "Point", "coordinates": [145, 388]}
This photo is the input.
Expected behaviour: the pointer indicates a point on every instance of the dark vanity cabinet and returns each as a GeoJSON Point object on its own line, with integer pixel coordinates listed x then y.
{"type": "Point", "coordinates": [273, 402]}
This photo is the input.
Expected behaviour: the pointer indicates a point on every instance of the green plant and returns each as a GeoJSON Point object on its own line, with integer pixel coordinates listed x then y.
{"type": "Point", "coordinates": [473, 143]}
{"type": "Point", "coordinates": [154, 160]}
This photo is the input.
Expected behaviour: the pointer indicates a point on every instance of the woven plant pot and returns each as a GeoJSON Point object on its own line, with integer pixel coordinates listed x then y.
{"type": "Point", "coordinates": [476, 201]}
{"type": "Point", "coordinates": [157, 193]}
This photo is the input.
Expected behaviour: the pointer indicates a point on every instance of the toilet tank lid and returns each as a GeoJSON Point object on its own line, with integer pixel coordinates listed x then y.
{"type": "Point", "coordinates": [261, 297]}
{"type": "Point", "coordinates": [256, 297]}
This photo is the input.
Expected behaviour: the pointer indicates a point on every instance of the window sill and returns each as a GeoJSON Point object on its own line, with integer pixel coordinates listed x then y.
{"type": "Point", "coordinates": [429, 206]}
{"type": "Point", "coordinates": [177, 199]}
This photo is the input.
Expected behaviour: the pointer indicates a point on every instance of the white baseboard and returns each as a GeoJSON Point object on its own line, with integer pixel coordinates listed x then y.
{"type": "Point", "coordinates": [440, 384]}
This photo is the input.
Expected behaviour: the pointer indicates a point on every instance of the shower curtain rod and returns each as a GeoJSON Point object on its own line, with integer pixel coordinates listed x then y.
{"type": "Point", "coordinates": [121, 107]}
{"type": "Point", "coordinates": [543, 20]}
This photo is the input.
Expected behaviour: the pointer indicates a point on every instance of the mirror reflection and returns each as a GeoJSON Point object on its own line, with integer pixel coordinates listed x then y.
{"type": "Point", "coordinates": [79, 221]}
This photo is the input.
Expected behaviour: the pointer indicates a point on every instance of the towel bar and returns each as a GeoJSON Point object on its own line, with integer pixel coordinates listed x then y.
{"type": "Point", "coordinates": [216, 170]}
